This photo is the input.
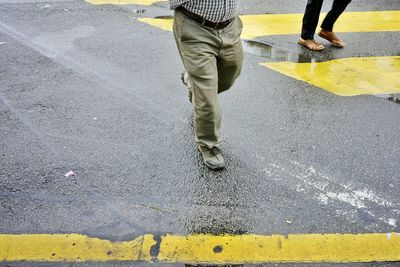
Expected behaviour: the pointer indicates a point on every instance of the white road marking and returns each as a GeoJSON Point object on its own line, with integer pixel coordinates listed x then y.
{"type": "Point", "coordinates": [327, 190]}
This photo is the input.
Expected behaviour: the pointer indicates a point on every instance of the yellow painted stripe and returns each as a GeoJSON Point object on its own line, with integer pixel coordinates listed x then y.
{"type": "Point", "coordinates": [164, 24]}
{"type": "Point", "coordinates": [204, 249]}
{"type": "Point", "coordinates": [122, 2]}
{"type": "Point", "coordinates": [347, 77]}
{"type": "Point", "coordinates": [277, 24]}
{"type": "Point", "coordinates": [277, 248]}
{"type": "Point", "coordinates": [69, 247]}
{"type": "Point", "coordinates": [280, 24]}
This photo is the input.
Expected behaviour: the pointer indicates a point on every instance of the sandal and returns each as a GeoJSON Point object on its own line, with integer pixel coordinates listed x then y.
{"type": "Point", "coordinates": [311, 44]}
{"type": "Point", "coordinates": [331, 37]}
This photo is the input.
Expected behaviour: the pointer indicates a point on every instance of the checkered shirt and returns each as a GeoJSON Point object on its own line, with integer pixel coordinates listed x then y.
{"type": "Point", "coordinates": [212, 10]}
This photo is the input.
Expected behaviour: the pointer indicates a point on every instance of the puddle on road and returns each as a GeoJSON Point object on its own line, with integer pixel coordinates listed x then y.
{"type": "Point", "coordinates": [266, 50]}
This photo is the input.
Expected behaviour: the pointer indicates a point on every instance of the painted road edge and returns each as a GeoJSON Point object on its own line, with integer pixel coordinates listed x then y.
{"type": "Point", "coordinates": [203, 248]}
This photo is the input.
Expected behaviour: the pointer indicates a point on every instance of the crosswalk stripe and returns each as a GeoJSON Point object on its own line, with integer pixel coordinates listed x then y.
{"type": "Point", "coordinates": [204, 248]}
{"type": "Point", "coordinates": [348, 76]}
{"type": "Point", "coordinates": [281, 24]}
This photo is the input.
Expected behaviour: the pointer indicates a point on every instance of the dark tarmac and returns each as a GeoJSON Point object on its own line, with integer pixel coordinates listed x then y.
{"type": "Point", "coordinates": [90, 89]}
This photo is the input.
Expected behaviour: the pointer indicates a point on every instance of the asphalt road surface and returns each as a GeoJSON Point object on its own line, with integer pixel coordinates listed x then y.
{"type": "Point", "coordinates": [92, 89]}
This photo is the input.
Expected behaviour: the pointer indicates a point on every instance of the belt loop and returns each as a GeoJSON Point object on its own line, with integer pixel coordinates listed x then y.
{"type": "Point", "coordinates": [203, 22]}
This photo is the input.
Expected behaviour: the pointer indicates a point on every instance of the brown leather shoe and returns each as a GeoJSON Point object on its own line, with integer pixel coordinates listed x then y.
{"type": "Point", "coordinates": [331, 37]}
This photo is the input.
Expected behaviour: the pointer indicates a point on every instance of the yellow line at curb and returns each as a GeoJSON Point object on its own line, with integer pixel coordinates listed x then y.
{"type": "Point", "coordinates": [204, 249]}
{"type": "Point", "coordinates": [358, 76]}
{"type": "Point", "coordinates": [281, 24]}
{"type": "Point", "coordinates": [69, 247]}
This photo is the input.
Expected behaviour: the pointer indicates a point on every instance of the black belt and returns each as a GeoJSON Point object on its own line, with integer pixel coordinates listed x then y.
{"type": "Point", "coordinates": [202, 21]}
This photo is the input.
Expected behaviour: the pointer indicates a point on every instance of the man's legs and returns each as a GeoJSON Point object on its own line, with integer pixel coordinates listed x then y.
{"type": "Point", "coordinates": [310, 22]}
{"type": "Point", "coordinates": [212, 63]}
{"type": "Point", "coordinates": [326, 32]}
{"type": "Point", "coordinates": [198, 47]}
{"type": "Point", "coordinates": [338, 7]}
{"type": "Point", "coordinates": [310, 19]}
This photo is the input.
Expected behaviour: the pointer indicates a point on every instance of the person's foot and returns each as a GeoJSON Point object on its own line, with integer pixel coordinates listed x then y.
{"type": "Point", "coordinates": [186, 82]}
{"type": "Point", "coordinates": [212, 157]}
{"type": "Point", "coordinates": [311, 44]}
{"type": "Point", "coordinates": [331, 37]}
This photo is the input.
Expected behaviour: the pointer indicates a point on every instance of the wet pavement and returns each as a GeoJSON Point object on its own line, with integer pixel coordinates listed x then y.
{"type": "Point", "coordinates": [91, 89]}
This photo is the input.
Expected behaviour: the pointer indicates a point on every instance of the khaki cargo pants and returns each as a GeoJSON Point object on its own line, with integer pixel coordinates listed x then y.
{"type": "Point", "coordinates": [213, 60]}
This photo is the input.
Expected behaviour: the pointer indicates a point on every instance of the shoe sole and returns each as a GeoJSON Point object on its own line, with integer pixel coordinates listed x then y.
{"type": "Point", "coordinates": [214, 168]}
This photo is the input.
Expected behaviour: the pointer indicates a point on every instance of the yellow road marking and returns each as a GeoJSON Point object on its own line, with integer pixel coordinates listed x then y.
{"type": "Point", "coordinates": [347, 77]}
{"type": "Point", "coordinates": [70, 247]}
{"type": "Point", "coordinates": [280, 24]}
{"type": "Point", "coordinates": [204, 249]}
{"type": "Point", "coordinates": [122, 2]}
{"type": "Point", "coordinates": [376, 21]}
{"type": "Point", "coordinates": [164, 24]}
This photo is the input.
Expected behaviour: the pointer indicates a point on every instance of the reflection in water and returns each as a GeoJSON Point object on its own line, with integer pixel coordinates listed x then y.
{"type": "Point", "coordinates": [267, 50]}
